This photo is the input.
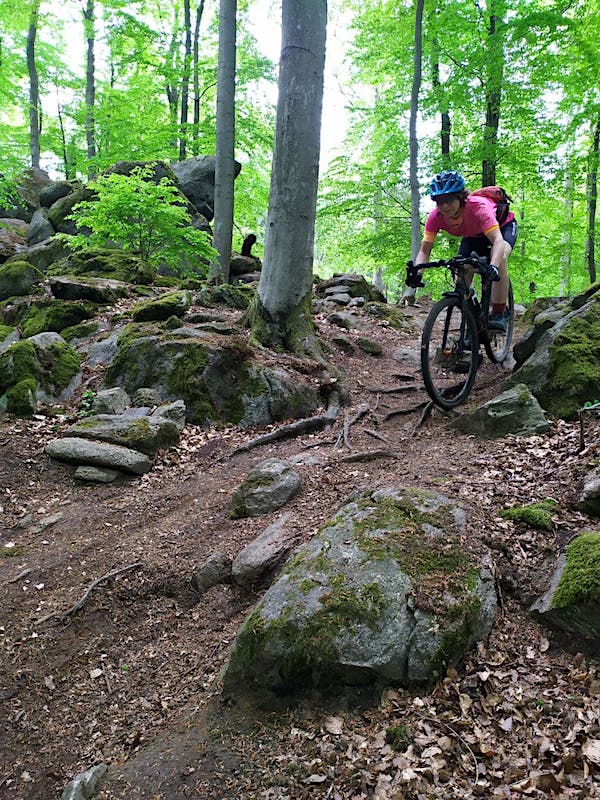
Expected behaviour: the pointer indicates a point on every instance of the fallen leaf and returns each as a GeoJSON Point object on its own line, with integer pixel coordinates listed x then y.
{"type": "Point", "coordinates": [591, 750]}
{"type": "Point", "coordinates": [334, 725]}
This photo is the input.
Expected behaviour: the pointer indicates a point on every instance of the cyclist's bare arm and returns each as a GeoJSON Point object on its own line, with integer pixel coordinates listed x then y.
{"type": "Point", "coordinates": [424, 252]}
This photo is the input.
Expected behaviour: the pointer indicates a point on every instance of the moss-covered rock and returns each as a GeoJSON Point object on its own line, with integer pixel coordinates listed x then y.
{"type": "Point", "coordinates": [383, 593]}
{"type": "Point", "coordinates": [572, 603]}
{"type": "Point", "coordinates": [391, 315]}
{"type": "Point", "coordinates": [17, 278]}
{"type": "Point", "coordinates": [564, 371]}
{"type": "Point", "coordinates": [105, 263]}
{"type": "Point", "coordinates": [238, 296]}
{"type": "Point", "coordinates": [535, 515]}
{"type": "Point", "coordinates": [42, 368]}
{"type": "Point", "coordinates": [54, 315]}
{"type": "Point", "coordinates": [167, 305]}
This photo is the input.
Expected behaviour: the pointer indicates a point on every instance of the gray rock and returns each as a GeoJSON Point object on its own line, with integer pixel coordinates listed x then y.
{"type": "Point", "coordinates": [12, 337]}
{"type": "Point", "coordinates": [173, 411]}
{"type": "Point", "coordinates": [97, 290]}
{"type": "Point", "coordinates": [50, 194]}
{"type": "Point", "coordinates": [96, 475]}
{"type": "Point", "coordinates": [343, 320]}
{"type": "Point", "coordinates": [590, 495]}
{"type": "Point", "coordinates": [339, 298]}
{"type": "Point", "coordinates": [75, 450]}
{"type": "Point", "coordinates": [196, 177]}
{"type": "Point", "coordinates": [111, 401]}
{"type": "Point", "coordinates": [515, 411]}
{"type": "Point", "coordinates": [383, 593]}
{"type": "Point", "coordinates": [16, 278]}
{"type": "Point", "coordinates": [85, 785]}
{"type": "Point", "coordinates": [40, 228]}
{"type": "Point", "coordinates": [408, 356]}
{"type": "Point", "coordinates": [216, 569]}
{"type": "Point", "coordinates": [263, 553]}
{"type": "Point", "coordinates": [104, 351]}
{"type": "Point", "coordinates": [267, 487]}
{"type": "Point", "coordinates": [146, 396]}
{"type": "Point", "coordinates": [142, 433]}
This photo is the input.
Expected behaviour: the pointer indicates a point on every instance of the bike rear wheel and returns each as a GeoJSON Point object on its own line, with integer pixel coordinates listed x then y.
{"type": "Point", "coordinates": [449, 352]}
{"type": "Point", "coordinates": [497, 344]}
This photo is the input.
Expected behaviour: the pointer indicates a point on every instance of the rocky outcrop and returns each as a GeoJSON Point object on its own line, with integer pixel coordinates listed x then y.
{"type": "Point", "coordinates": [384, 592]}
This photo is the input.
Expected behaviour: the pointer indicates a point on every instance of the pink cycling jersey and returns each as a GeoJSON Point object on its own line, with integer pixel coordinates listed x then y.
{"type": "Point", "coordinates": [477, 217]}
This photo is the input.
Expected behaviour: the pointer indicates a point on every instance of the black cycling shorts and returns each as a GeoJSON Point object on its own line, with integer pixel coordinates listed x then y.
{"type": "Point", "coordinates": [482, 245]}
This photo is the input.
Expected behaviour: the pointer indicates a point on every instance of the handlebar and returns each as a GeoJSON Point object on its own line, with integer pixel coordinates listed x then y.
{"type": "Point", "coordinates": [454, 264]}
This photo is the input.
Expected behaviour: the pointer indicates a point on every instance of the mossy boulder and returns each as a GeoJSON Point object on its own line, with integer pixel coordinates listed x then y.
{"type": "Point", "coordinates": [535, 515]}
{"type": "Point", "coordinates": [384, 593]}
{"type": "Point", "coordinates": [115, 264]}
{"type": "Point", "coordinates": [564, 371]}
{"type": "Point", "coordinates": [353, 284]}
{"type": "Point", "coordinates": [270, 485]}
{"type": "Point", "coordinates": [238, 296]}
{"type": "Point", "coordinates": [217, 376]}
{"type": "Point", "coordinates": [54, 315]}
{"type": "Point", "coordinates": [389, 315]}
{"type": "Point", "coordinates": [17, 279]}
{"type": "Point", "coordinates": [97, 290]}
{"type": "Point", "coordinates": [572, 602]}
{"type": "Point", "coordinates": [147, 434]}
{"type": "Point", "coordinates": [43, 368]}
{"type": "Point", "coordinates": [171, 304]}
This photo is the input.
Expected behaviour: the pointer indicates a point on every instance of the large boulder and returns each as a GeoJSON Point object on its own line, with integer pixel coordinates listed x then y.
{"type": "Point", "coordinates": [13, 237]}
{"type": "Point", "coordinates": [515, 411]}
{"type": "Point", "coordinates": [26, 198]}
{"type": "Point", "coordinates": [100, 262]}
{"type": "Point", "coordinates": [147, 434]}
{"type": "Point", "coordinates": [384, 593]}
{"type": "Point", "coordinates": [196, 178]}
{"type": "Point", "coordinates": [17, 278]}
{"type": "Point", "coordinates": [572, 601]}
{"type": "Point", "coordinates": [43, 368]}
{"type": "Point", "coordinates": [96, 290]}
{"type": "Point", "coordinates": [217, 376]}
{"type": "Point", "coordinates": [50, 314]}
{"type": "Point", "coordinates": [40, 228]}
{"type": "Point", "coordinates": [75, 450]}
{"type": "Point", "coordinates": [563, 372]}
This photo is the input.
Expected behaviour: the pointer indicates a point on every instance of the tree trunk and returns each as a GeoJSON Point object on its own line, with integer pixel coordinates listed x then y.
{"type": "Point", "coordinates": [185, 80]}
{"type": "Point", "coordinates": [196, 78]}
{"type": "Point", "coordinates": [225, 163]}
{"type": "Point", "coordinates": [415, 220]}
{"type": "Point", "coordinates": [446, 125]}
{"type": "Point", "coordinates": [90, 87]}
{"type": "Point", "coordinates": [34, 87]}
{"type": "Point", "coordinates": [592, 198]}
{"type": "Point", "coordinates": [493, 93]}
{"type": "Point", "coordinates": [281, 314]}
{"type": "Point", "coordinates": [566, 238]}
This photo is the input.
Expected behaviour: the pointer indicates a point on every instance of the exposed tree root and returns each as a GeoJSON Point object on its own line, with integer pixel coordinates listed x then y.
{"type": "Point", "coordinates": [81, 602]}
{"type": "Point", "coordinates": [369, 455]}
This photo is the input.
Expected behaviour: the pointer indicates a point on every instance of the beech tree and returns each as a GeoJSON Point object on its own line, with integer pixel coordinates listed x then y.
{"type": "Point", "coordinates": [281, 313]}
{"type": "Point", "coordinates": [34, 88]}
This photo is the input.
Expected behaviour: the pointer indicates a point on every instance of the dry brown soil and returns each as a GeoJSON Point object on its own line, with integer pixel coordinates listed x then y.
{"type": "Point", "coordinates": [132, 677]}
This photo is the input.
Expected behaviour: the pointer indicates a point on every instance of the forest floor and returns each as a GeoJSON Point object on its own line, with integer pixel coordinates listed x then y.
{"type": "Point", "coordinates": [131, 678]}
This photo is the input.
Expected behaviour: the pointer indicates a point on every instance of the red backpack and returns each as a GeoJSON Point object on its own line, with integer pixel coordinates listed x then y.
{"type": "Point", "coordinates": [500, 197]}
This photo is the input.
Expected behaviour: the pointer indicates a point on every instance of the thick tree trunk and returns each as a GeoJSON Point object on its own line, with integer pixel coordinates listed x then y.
{"type": "Point", "coordinates": [225, 164]}
{"type": "Point", "coordinates": [90, 86]}
{"type": "Point", "coordinates": [281, 315]}
{"type": "Point", "coordinates": [415, 219]}
{"type": "Point", "coordinates": [592, 200]}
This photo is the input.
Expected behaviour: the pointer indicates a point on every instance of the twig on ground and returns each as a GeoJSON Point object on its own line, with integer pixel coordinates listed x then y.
{"type": "Point", "coordinates": [21, 575]}
{"type": "Point", "coordinates": [376, 435]}
{"type": "Point", "coordinates": [81, 602]}
{"type": "Point", "coordinates": [369, 455]}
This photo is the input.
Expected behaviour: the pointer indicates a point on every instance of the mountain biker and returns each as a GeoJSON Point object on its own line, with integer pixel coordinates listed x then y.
{"type": "Point", "coordinates": [474, 219]}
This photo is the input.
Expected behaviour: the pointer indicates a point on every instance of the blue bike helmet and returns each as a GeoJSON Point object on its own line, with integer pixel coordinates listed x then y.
{"type": "Point", "coordinates": [447, 182]}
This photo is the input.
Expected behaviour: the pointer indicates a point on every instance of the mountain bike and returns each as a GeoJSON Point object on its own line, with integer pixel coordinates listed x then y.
{"type": "Point", "coordinates": [455, 329]}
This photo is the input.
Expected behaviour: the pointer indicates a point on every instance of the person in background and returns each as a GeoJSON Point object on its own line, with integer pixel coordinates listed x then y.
{"type": "Point", "coordinates": [473, 218]}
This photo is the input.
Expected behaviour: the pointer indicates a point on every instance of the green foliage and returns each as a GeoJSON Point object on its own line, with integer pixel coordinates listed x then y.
{"type": "Point", "coordinates": [87, 403]}
{"type": "Point", "coordinates": [144, 218]}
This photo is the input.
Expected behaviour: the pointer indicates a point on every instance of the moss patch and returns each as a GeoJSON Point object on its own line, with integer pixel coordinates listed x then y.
{"type": "Point", "coordinates": [536, 515]}
{"type": "Point", "coordinates": [5, 331]}
{"type": "Point", "coordinates": [105, 263]}
{"type": "Point", "coordinates": [170, 304]}
{"type": "Point", "coordinates": [82, 331]}
{"type": "Point", "coordinates": [55, 315]}
{"type": "Point", "coordinates": [225, 294]}
{"type": "Point", "coordinates": [580, 581]}
{"type": "Point", "coordinates": [575, 364]}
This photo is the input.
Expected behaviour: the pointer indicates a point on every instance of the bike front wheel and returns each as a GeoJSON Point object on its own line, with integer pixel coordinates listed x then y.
{"type": "Point", "coordinates": [497, 345]}
{"type": "Point", "coordinates": [449, 352]}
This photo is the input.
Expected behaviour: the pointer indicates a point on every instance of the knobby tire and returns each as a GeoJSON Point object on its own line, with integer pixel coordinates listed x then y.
{"type": "Point", "coordinates": [447, 366]}
{"type": "Point", "coordinates": [497, 345]}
